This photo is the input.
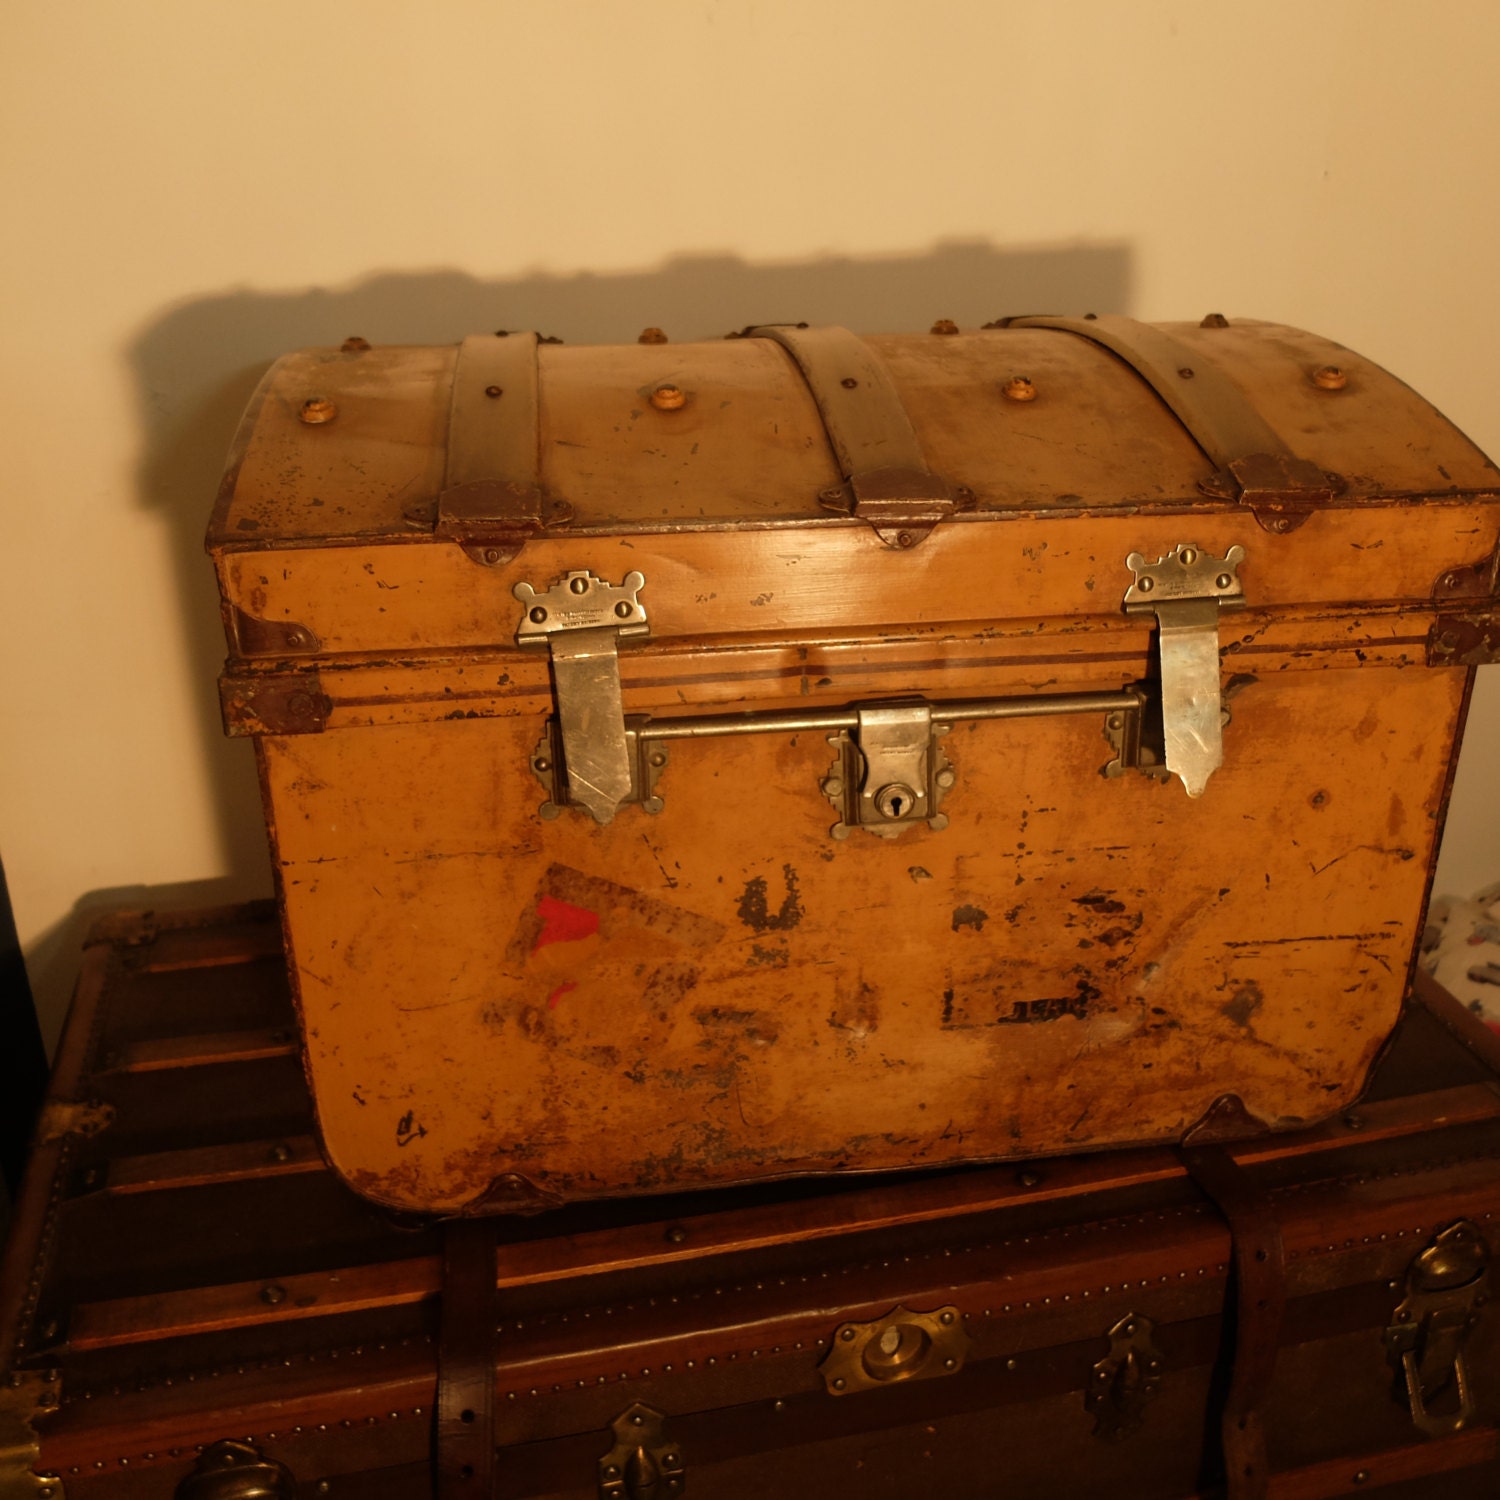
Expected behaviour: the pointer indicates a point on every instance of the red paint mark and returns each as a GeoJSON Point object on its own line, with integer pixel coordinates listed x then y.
{"type": "Point", "coordinates": [558, 993]}
{"type": "Point", "coordinates": [562, 922]}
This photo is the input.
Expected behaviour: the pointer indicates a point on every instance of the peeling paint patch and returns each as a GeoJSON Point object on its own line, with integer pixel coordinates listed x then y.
{"type": "Point", "coordinates": [562, 922]}
{"type": "Point", "coordinates": [970, 916]}
{"type": "Point", "coordinates": [755, 904]}
{"type": "Point", "coordinates": [616, 909]}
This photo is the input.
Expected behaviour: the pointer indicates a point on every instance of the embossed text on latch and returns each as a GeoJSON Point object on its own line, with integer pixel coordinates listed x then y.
{"type": "Point", "coordinates": [1186, 589]}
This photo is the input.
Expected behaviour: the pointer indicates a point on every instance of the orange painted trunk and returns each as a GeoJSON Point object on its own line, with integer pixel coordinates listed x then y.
{"type": "Point", "coordinates": [703, 763]}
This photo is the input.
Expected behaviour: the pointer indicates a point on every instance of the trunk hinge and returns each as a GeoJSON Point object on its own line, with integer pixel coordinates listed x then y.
{"type": "Point", "coordinates": [1186, 589]}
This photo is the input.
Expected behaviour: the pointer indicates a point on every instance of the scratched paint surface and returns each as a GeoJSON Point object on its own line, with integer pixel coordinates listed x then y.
{"type": "Point", "coordinates": [723, 992]}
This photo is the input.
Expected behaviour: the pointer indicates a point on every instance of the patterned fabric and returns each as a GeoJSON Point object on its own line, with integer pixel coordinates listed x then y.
{"type": "Point", "coordinates": [1461, 950]}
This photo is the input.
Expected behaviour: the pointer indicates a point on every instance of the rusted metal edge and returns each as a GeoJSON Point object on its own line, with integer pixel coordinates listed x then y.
{"type": "Point", "coordinates": [274, 703]}
{"type": "Point", "coordinates": [886, 478]}
{"type": "Point", "coordinates": [1255, 466]}
{"type": "Point", "coordinates": [256, 637]}
{"type": "Point", "coordinates": [1193, 505]}
{"type": "Point", "coordinates": [1466, 632]}
{"type": "Point", "coordinates": [492, 498]}
{"type": "Point", "coordinates": [1226, 1119]}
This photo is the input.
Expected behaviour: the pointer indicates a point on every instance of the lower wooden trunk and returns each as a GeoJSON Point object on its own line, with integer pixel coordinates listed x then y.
{"type": "Point", "coordinates": [185, 1270]}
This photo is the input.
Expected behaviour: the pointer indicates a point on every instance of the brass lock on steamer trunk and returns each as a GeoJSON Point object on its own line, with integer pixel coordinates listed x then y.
{"type": "Point", "coordinates": [890, 772]}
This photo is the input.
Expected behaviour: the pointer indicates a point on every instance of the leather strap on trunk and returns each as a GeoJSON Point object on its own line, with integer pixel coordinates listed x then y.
{"type": "Point", "coordinates": [1255, 465]}
{"type": "Point", "coordinates": [1260, 1303]}
{"type": "Point", "coordinates": [466, 1363]}
{"type": "Point", "coordinates": [492, 498]}
{"type": "Point", "coordinates": [886, 478]}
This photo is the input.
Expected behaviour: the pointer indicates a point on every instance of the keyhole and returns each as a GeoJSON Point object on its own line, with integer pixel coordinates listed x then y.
{"type": "Point", "coordinates": [895, 801]}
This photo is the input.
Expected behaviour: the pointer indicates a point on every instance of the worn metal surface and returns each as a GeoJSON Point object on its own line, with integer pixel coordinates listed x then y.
{"type": "Point", "coordinates": [502, 1011]}
{"type": "Point", "coordinates": [748, 997]}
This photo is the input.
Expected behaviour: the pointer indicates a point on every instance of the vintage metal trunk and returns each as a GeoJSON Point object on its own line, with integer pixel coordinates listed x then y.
{"type": "Point", "coordinates": [800, 753]}
{"type": "Point", "coordinates": [193, 1305]}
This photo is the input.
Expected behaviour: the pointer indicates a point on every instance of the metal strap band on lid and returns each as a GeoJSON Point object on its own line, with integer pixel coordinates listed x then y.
{"type": "Point", "coordinates": [1254, 464]}
{"type": "Point", "coordinates": [492, 499]}
{"type": "Point", "coordinates": [886, 478]}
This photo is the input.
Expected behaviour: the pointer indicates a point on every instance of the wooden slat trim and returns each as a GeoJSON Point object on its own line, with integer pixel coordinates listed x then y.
{"type": "Point", "coordinates": [208, 1309]}
{"type": "Point", "coordinates": [1369, 1471]}
{"type": "Point", "coordinates": [239, 1161]}
{"type": "Point", "coordinates": [205, 1047]}
{"type": "Point", "coordinates": [244, 1304]}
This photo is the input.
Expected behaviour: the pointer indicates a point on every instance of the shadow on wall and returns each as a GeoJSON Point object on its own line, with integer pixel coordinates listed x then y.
{"type": "Point", "coordinates": [197, 365]}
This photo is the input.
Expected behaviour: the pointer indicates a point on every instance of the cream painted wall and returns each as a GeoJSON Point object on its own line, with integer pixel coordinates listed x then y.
{"type": "Point", "coordinates": [190, 188]}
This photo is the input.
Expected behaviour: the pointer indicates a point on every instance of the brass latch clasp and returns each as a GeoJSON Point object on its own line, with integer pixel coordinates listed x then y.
{"type": "Point", "coordinates": [581, 618]}
{"type": "Point", "coordinates": [1186, 590]}
{"type": "Point", "coordinates": [1446, 1285]}
{"type": "Point", "coordinates": [644, 1464]}
{"type": "Point", "coordinates": [890, 771]}
{"type": "Point", "coordinates": [1125, 1381]}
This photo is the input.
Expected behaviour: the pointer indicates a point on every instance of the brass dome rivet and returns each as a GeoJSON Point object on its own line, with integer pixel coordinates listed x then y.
{"type": "Point", "coordinates": [1215, 320]}
{"type": "Point", "coordinates": [354, 345]}
{"type": "Point", "coordinates": [317, 409]}
{"type": "Point", "coordinates": [494, 392]}
{"type": "Point", "coordinates": [1330, 378]}
{"type": "Point", "coordinates": [651, 336]}
{"type": "Point", "coordinates": [1185, 373]}
{"type": "Point", "coordinates": [668, 397]}
{"type": "Point", "coordinates": [1018, 388]}
{"type": "Point", "coordinates": [945, 325]}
